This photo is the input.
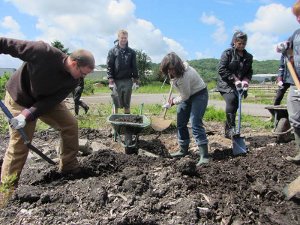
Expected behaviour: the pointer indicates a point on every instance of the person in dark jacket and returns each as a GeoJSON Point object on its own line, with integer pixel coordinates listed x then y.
{"type": "Point", "coordinates": [122, 73]}
{"type": "Point", "coordinates": [284, 79]}
{"type": "Point", "coordinates": [77, 95]}
{"type": "Point", "coordinates": [235, 72]}
{"type": "Point", "coordinates": [36, 91]}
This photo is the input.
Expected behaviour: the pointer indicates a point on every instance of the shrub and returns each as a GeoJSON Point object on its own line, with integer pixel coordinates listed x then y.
{"type": "Point", "coordinates": [3, 80]}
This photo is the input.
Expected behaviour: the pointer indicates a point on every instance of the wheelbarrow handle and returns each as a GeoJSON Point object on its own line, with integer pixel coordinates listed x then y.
{"type": "Point", "coordinates": [141, 108]}
{"type": "Point", "coordinates": [25, 137]}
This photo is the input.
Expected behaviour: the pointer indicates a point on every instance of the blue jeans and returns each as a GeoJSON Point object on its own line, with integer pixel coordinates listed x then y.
{"type": "Point", "coordinates": [194, 109]}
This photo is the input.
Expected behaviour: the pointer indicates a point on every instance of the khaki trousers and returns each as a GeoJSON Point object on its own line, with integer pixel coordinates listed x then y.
{"type": "Point", "coordinates": [60, 118]}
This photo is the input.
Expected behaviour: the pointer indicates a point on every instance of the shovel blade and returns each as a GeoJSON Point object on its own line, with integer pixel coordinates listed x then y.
{"type": "Point", "coordinates": [292, 189]}
{"type": "Point", "coordinates": [238, 145]}
{"type": "Point", "coordinates": [160, 124]}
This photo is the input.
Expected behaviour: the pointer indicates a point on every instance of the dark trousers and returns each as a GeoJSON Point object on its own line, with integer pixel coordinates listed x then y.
{"type": "Point", "coordinates": [76, 96]}
{"type": "Point", "coordinates": [280, 93]}
{"type": "Point", "coordinates": [231, 100]}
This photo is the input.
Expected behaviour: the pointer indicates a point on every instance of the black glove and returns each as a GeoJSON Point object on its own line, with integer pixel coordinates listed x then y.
{"type": "Point", "coordinates": [245, 94]}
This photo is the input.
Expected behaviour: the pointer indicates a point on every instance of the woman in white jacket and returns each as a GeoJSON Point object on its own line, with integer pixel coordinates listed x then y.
{"type": "Point", "coordinates": [192, 102]}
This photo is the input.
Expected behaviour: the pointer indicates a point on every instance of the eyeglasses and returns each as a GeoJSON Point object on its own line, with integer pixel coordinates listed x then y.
{"type": "Point", "coordinates": [82, 74]}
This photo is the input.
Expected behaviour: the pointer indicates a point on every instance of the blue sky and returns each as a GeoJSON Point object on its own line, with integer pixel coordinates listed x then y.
{"type": "Point", "coordinates": [194, 29]}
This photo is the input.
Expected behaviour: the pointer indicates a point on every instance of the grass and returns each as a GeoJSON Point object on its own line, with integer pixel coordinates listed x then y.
{"type": "Point", "coordinates": [153, 88]}
{"type": "Point", "coordinates": [97, 116]}
{"type": "Point", "coordinates": [7, 189]}
{"type": "Point", "coordinates": [254, 96]}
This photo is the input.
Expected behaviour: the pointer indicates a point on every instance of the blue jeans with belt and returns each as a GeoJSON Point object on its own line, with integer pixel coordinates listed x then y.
{"type": "Point", "coordinates": [194, 109]}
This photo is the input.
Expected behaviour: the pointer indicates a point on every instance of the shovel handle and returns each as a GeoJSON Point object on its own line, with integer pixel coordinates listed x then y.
{"type": "Point", "coordinates": [10, 116]}
{"type": "Point", "coordinates": [25, 137]}
{"type": "Point", "coordinates": [292, 71]}
{"type": "Point", "coordinates": [169, 97]}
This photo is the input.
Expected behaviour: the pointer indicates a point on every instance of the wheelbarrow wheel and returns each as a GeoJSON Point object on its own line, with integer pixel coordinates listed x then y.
{"type": "Point", "coordinates": [283, 125]}
{"type": "Point", "coordinates": [283, 131]}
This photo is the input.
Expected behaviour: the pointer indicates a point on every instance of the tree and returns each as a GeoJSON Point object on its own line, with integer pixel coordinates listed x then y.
{"type": "Point", "coordinates": [143, 62]}
{"type": "Point", "coordinates": [60, 46]}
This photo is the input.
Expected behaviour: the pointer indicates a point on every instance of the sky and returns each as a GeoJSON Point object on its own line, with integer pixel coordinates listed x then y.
{"type": "Point", "coordinates": [194, 29]}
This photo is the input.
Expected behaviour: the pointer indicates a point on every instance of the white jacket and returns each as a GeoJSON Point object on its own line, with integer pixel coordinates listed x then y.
{"type": "Point", "coordinates": [187, 85]}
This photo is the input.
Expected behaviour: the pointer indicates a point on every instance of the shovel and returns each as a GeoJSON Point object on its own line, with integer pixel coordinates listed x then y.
{"type": "Point", "coordinates": [24, 136]}
{"type": "Point", "coordinates": [292, 189]}
{"type": "Point", "coordinates": [160, 124]}
{"type": "Point", "coordinates": [238, 143]}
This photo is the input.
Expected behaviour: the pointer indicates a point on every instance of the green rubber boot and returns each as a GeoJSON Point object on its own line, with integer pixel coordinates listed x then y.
{"type": "Point", "coordinates": [296, 159]}
{"type": "Point", "coordinates": [203, 152]}
{"type": "Point", "coordinates": [183, 151]}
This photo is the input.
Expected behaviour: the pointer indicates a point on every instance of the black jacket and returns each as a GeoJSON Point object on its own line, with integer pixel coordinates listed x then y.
{"type": "Point", "coordinates": [121, 65]}
{"type": "Point", "coordinates": [232, 64]}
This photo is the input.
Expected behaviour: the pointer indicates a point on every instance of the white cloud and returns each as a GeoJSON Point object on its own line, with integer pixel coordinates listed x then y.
{"type": "Point", "coordinates": [271, 25]}
{"type": "Point", "coordinates": [273, 19]}
{"type": "Point", "coordinates": [262, 46]}
{"type": "Point", "coordinates": [12, 29]}
{"type": "Point", "coordinates": [93, 24]}
{"type": "Point", "coordinates": [219, 34]}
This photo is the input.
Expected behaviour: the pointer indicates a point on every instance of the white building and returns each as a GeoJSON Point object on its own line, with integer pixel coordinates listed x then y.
{"type": "Point", "coordinates": [264, 77]}
{"type": "Point", "coordinates": [7, 70]}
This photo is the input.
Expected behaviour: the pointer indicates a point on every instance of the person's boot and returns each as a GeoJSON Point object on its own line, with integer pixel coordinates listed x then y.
{"type": "Point", "coordinates": [85, 107]}
{"type": "Point", "coordinates": [183, 151]}
{"type": "Point", "coordinates": [296, 159]}
{"type": "Point", "coordinates": [203, 152]}
{"type": "Point", "coordinates": [76, 108]}
{"type": "Point", "coordinates": [230, 125]}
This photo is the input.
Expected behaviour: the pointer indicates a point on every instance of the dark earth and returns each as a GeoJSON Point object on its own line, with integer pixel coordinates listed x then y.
{"type": "Point", "coordinates": [118, 188]}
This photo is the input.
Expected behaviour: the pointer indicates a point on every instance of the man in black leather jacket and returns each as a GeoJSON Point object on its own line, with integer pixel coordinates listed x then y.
{"type": "Point", "coordinates": [122, 72]}
{"type": "Point", "coordinates": [235, 71]}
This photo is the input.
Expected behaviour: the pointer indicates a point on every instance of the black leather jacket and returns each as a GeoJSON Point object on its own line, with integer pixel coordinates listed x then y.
{"type": "Point", "coordinates": [232, 64]}
{"type": "Point", "coordinates": [119, 67]}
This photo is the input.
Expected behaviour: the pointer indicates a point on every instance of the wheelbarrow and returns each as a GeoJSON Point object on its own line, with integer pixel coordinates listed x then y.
{"type": "Point", "coordinates": [127, 128]}
{"type": "Point", "coordinates": [282, 128]}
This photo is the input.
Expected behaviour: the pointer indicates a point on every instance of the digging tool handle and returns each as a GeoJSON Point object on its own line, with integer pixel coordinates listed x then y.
{"type": "Point", "coordinates": [24, 136]}
{"type": "Point", "coordinates": [292, 72]}
{"type": "Point", "coordinates": [37, 151]}
{"type": "Point", "coordinates": [169, 97]}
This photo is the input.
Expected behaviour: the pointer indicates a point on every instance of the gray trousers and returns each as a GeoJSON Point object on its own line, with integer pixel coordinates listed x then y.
{"type": "Point", "coordinates": [293, 105]}
{"type": "Point", "coordinates": [121, 94]}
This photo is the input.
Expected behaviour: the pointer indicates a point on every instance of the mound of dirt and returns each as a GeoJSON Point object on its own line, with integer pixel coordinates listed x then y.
{"type": "Point", "coordinates": [117, 188]}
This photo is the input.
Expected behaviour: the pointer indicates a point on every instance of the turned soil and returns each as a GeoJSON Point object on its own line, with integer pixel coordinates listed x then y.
{"type": "Point", "coordinates": [118, 188]}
